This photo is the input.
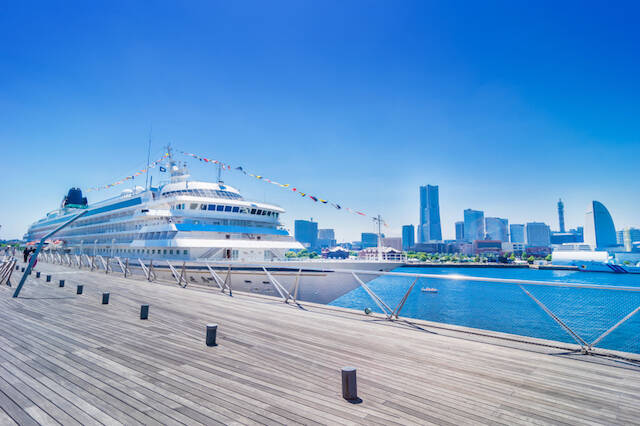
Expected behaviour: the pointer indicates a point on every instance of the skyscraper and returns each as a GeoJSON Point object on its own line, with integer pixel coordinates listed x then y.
{"type": "Point", "coordinates": [326, 238]}
{"type": "Point", "coordinates": [516, 232]}
{"type": "Point", "coordinates": [599, 231]}
{"type": "Point", "coordinates": [473, 225]}
{"type": "Point", "coordinates": [561, 215]}
{"type": "Point", "coordinates": [538, 234]}
{"type": "Point", "coordinates": [497, 228]}
{"type": "Point", "coordinates": [306, 233]}
{"type": "Point", "coordinates": [460, 231]}
{"type": "Point", "coordinates": [408, 237]}
{"type": "Point", "coordinates": [369, 239]}
{"type": "Point", "coordinates": [430, 229]}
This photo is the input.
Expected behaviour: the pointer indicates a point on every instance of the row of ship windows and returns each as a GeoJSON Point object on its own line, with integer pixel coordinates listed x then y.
{"type": "Point", "coordinates": [204, 193]}
{"type": "Point", "coordinates": [136, 251]}
{"type": "Point", "coordinates": [232, 209]}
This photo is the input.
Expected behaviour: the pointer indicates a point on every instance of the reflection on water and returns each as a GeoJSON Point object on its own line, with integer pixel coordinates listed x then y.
{"type": "Point", "coordinates": [507, 308]}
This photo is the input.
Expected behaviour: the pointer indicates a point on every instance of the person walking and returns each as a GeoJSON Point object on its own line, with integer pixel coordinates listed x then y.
{"type": "Point", "coordinates": [26, 253]}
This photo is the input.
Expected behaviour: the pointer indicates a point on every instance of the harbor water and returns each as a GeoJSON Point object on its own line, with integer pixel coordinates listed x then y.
{"type": "Point", "coordinates": [507, 308]}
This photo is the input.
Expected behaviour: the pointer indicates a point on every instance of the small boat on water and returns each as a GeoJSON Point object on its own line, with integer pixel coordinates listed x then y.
{"type": "Point", "coordinates": [429, 290]}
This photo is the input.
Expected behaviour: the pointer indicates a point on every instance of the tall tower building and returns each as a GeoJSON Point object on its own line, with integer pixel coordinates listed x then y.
{"type": "Point", "coordinates": [599, 231]}
{"type": "Point", "coordinates": [561, 215]}
{"type": "Point", "coordinates": [408, 237]}
{"type": "Point", "coordinates": [430, 229]}
{"type": "Point", "coordinates": [497, 228]}
{"type": "Point", "coordinates": [460, 231]}
{"type": "Point", "coordinates": [473, 225]}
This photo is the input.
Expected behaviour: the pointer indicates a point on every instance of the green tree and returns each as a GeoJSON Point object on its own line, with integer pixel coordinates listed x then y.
{"type": "Point", "coordinates": [548, 258]}
{"type": "Point", "coordinates": [531, 259]}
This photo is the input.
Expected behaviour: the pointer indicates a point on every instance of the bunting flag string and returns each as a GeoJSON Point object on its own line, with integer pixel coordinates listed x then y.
{"type": "Point", "coordinates": [130, 177]}
{"type": "Point", "coordinates": [287, 186]}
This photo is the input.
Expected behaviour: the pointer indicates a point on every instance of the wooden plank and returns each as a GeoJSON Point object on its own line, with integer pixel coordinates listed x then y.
{"type": "Point", "coordinates": [67, 358]}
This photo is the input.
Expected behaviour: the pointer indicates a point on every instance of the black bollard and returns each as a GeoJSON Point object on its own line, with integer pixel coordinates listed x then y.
{"type": "Point", "coordinates": [349, 385]}
{"type": "Point", "coordinates": [61, 283]}
{"type": "Point", "coordinates": [144, 312]}
{"type": "Point", "coordinates": [17, 268]}
{"type": "Point", "coordinates": [38, 274]}
{"type": "Point", "coordinates": [79, 289]}
{"type": "Point", "coordinates": [212, 329]}
{"type": "Point", "coordinates": [48, 278]}
{"type": "Point", "coordinates": [22, 269]}
{"type": "Point", "coordinates": [105, 298]}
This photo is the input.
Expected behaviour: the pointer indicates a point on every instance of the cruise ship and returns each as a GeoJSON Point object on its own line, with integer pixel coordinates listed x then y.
{"type": "Point", "coordinates": [196, 223]}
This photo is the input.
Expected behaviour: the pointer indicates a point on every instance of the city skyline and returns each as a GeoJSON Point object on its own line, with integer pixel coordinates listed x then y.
{"type": "Point", "coordinates": [361, 106]}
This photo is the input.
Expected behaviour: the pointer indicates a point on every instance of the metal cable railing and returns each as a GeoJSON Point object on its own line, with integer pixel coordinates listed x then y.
{"type": "Point", "coordinates": [590, 315]}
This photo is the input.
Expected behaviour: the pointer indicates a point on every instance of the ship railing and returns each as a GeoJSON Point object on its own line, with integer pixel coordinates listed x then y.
{"type": "Point", "coordinates": [7, 266]}
{"type": "Point", "coordinates": [551, 297]}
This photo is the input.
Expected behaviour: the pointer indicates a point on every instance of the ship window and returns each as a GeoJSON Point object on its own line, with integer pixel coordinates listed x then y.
{"type": "Point", "coordinates": [253, 211]}
{"type": "Point", "coordinates": [258, 212]}
{"type": "Point", "coordinates": [185, 252]}
{"type": "Point", "coordinates": [203, 206]}
{"type": "Point", "coordinates": [164, 252]}
{"type": "Point", "coordinates": [227, 208]}
{"type": "Point", "coordinates": [170, 251]}
{"type": "Point", "coordinates": [268, 212]}
{"type": "Point", "coordinates": [193, 206]}
{"type": "Point", "coordinates": [228, 236]}
{"type": "Point", "coordinates": [264, 212]}
{"type": "Point", "coordinates": [153, 252]}
{"type": "Point", "coordinates": [211, 207]}
{"type": "Point", "coordinates": [220, 208]}
{"type": "Point", "coordinates": [235, 209]}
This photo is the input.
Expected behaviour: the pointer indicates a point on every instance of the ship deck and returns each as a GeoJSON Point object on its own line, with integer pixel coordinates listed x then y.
{"type": "Point", "coordinates": [68, 359]}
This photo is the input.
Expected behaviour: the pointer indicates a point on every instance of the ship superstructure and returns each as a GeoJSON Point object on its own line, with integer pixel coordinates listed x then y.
{"type": "Point", "coordinates": [182, 219]}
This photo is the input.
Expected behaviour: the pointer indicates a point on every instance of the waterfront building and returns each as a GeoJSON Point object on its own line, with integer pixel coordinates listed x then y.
{"type": "Point", "coordinates": [393, 242]}
{"type": "Point", "coordinates": [538, 234]}
{"type": "Point", "coordinates": [561, 215]}
{"type": "Point", "coordinates": [306, 233]}
{"type": "Point", "coordinates": [460, 231]}
{"type": "Point", "coordinates": [326, 238]}
{"type": "Point", "coordinates": [626, 237]}
{"type": "Point", "coordinates": [408, 237]}
{"type": "Point", "coordinates": [599, 231]}
{"type": "Point", "coordinates": [369, 239]}
{"type": "Point", "coordinates": [430, 229]}
{"type": "Point", "coordinates": [496, 228]}
{"type": "Point", "coordinates": [487, 247]}
{"type": "Point", "coordinates": [326, 234]}
{"type": "Point", "coordinates": [565, 237]}
{"type": "Point", "coordinates": [510, 247]}
{"type": "Point", "coordinates": [386, 253]}
{"type": "Point", "coordinates": [335, 253]}
{"type": "Point", "coordinates": [516, 233]}
{"type": "Point", "coordinates": [473, 225]}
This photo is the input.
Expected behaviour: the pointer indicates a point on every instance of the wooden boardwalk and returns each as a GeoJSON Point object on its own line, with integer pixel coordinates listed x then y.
{"type": "Point", "coordinates": [68, 359]}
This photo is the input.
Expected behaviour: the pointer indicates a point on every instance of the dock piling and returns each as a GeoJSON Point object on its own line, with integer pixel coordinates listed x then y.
{"type": "Point", "coordinates": [79, 289]}
{"type": "Point", "coordinates": [61, 283]}
{"type": "Point", "coordinates": [105, 298]}
{"type": "Point", "coordinates": [349, 385]}
{"type": "Point", "coordinates": [212, 330]}
{"type": "Point", "coordinates": [144, 312]}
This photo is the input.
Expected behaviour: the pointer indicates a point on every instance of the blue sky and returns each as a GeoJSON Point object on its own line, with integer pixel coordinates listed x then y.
{"type": "Point", "coordinates": [507, 106]}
